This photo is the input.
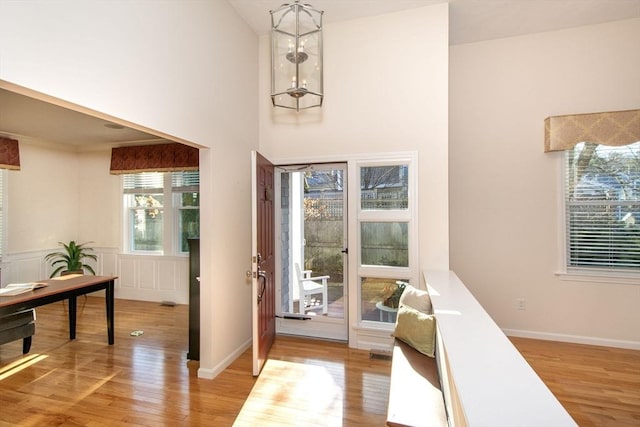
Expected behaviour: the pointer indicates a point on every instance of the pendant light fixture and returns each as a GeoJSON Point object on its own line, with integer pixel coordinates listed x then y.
{"type": "Point", "coordinates": [296, 56]}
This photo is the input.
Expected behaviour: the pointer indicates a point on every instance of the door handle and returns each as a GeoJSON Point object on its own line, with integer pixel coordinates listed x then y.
{"type": "Point", "coordinates": [262, 277]}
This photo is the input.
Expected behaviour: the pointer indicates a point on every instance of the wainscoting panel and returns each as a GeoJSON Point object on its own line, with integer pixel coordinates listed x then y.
{"type": "Point", "coordinates": [108, 263]}
{"type": "Point", "coordinates": [147, 269]}
{"type": "Point", "coordinates": [153, 278]}
{"type": "Point", "coordinates": [24, 268]}
{"type": "Point", "coordinates": [140, 277]}
{"type": "Point", "coordinates": [127, 272]}
{"type": "Point", "coordinates": [170, 274]}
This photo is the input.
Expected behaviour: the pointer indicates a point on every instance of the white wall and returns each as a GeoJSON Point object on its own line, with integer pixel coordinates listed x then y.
{"type": "Point", "coordinates": [174, 67]}
{"type": "Point", "coordinates": [60, 194]}
{"type": "Point", "coordinates": [385, 91]}
{"type": "Point", "coordinates": [42, 208]}
{"type": "Point", "coordinates": [504, 190]}
{"type": "Point", "coordinates": [100, 200]}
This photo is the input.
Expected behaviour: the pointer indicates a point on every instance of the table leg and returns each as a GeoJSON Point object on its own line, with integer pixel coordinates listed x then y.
{"type": "Point", "coordinates": [72, 318]}
{"type": "Point", "coordinates": [26, 344]}
{"type": "Point", "coordinates": [109, 301]}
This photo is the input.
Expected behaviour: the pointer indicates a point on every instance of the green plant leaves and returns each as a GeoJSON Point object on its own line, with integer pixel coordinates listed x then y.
{"type": "Point", "coordinates": [72, 258]}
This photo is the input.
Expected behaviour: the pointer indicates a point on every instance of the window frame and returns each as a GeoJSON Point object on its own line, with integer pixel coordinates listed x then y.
{"type": "Point", "coordinates": [171, 227]}
{"type": "Point", "coordinates": [177, 208]}
{"type": "Point", "coordinates": [566, 272]}
{"type": "Point", "coordinates": [410, 273]}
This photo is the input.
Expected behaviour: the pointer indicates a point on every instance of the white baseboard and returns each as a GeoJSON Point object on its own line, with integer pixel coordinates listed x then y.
{"type": "Point", "coordinates": [211, 373]}
{"type": "Point", "coordinates": [364, 338]}
{"type": "Point", "coordinates": [151, 295]}
{"type": "Point", "coordinates": [577, 339]}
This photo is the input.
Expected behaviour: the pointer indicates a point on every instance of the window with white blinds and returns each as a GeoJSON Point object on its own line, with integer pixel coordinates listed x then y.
{"type": "Point", "coordinates": [602, 204]}
{"type": "Point", "coordinates": [144, 182]}
{"type": "Point", "coordinates": [162, 211]}
{"type": "Point", "coordinates": [185, 181]}
{"type": "Point", "coordinates": [153, 182]}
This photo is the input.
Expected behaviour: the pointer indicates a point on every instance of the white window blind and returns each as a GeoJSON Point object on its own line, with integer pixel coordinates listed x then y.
{"type": "Point", "coordinates": [602, 202]}
{"type": "Point", "coordinates": [185, 181]}
{"type": "Point", "coordinates": [145, 182]}
{"type": "Point", "coordinates": [153, 182]}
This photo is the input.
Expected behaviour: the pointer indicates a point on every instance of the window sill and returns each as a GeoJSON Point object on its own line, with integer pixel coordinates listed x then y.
{"type": "Point", "coordinates": [153, 255]}
{"type": "Point", "coordinates": [371, 325]}
{"type": "Point", "coordinates": [600, 276]}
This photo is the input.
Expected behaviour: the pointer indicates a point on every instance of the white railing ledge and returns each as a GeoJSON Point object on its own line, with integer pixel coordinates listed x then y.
{"type": "Point", "coordinates": [493, 385]}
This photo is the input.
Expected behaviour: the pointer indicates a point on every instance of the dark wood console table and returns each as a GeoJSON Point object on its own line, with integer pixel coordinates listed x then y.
{"type": "Point", "coordinates": [194, 299]}
{"type": "Point", "coordinates": [61, 288]}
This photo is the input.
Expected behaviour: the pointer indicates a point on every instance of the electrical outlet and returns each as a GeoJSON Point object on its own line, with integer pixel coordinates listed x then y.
{"type": "Point", "coordinates": [521, 304]}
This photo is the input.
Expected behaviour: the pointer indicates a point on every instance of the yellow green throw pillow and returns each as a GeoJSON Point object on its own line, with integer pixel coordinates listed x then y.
{"type": "Point", "coordinates": [417, 329]}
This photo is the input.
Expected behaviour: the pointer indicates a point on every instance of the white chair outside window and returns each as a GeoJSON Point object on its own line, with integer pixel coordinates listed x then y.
{"type": "Point", "coordinates": [308, 286]}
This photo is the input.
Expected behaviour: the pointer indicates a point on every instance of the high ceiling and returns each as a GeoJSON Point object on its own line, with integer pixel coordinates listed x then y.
{"type": "Point", "coordinates": [470, 21]}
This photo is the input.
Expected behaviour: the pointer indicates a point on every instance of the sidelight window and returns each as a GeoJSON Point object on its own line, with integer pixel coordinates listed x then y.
{"type": "Point", "coordinates": [386, 252]}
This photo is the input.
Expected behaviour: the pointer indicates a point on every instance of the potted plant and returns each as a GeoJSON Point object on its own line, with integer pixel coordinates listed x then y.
{"type": "Point", "coordinates": [72, 259]}
{"type": "Point", "coordinates": [391, 294]}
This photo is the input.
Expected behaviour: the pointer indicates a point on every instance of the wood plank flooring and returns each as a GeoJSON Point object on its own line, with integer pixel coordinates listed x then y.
{"type": "Point", "coordinates": [598, 386]}
{"type": "Point", "coordinates": [147, 381]}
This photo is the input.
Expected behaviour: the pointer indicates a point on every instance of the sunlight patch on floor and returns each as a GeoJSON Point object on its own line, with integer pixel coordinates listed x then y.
{"type": "Point", "coordinates": [20, 364]}
{"type": "Point", "coordinates": [293, 394]}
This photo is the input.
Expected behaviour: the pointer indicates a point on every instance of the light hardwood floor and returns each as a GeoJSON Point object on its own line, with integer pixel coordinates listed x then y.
{"type": "Point", "coordinates": [147, 381]}
{"type": "Point", "coordinates": [598, 386]}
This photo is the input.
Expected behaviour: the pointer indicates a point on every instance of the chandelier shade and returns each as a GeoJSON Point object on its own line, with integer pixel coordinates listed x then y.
{"type": "Point", "coordinates": [296, 57]}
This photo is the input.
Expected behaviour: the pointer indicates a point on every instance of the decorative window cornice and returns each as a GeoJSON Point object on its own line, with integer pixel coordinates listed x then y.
{"type": "Point", "coordinates": [9, 154]}
{"type": "Point", "coordinates": [615, 128]}
{"type": "Point", "coordinates": [154, 158]}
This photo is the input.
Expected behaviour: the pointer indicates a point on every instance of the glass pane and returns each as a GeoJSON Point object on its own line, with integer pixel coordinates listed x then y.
{"type": "Point", "coordinates": [379, 298]}
{"type": "Point", "coordinates": [312, 237]}
{"type": "Point", "coordinates": [189, 199]}
{"type": "Point", "coordinates": [603, 206]}
{"type": "Point", "coordinates": [384, 187]}
{"type": "Point", "coordinates": [148, 200]}
{"type": "Point", "coordinates": [147, 229]}
{"type": "Point", "coordinates": [189, 227]}
{"type": "Point", "coordinates": [323, 215]}
{"type": "Point", "coordinates": [604, 235]}
{"type": "Point", "coordinates": [384, 243]}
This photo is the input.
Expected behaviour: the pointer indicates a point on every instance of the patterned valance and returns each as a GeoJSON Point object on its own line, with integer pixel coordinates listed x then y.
{"type": "Point", "coordinates": [614, 128]}
{"type": "Point", "coordinates": [154, 158]}
{"type": "Point", "coordinates": [9, 154]}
